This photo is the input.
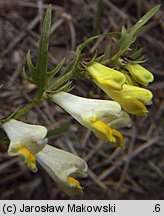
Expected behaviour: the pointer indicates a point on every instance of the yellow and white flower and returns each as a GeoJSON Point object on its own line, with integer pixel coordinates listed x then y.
{"type": "Point", "coordinates": [102, 117]}
{"type": "Point", "coordinates": [132, 98]}
{"type": "Point", "coordinates": [29, 142]}
{"type": "Point", "coordinates": [63, 166]}
{"type": "Point", "coordinates": [26, 140]}
{"type": "Point", "coordinates": [140, 74]}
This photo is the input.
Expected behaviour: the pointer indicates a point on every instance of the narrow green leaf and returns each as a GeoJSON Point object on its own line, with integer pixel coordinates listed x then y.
{"type": "Point", "coordinates": [85, 43]}
{"type": "Point", "coordinates": [98, 17]}
{"type": "Point", "coordinates": [123, 30]}
{"type": "Point", "coordinates": [31, 67]}
{"type": "Point", "coordinates": [58, 131]}
{"type": "Point", "coordinates": [106, 53]}
{"type": "Point", "coordinates": [139, 61]}
{"type": "Point", "coordinates": [61, 87]}
{"type": "Point", "coordinates": [42, 62]}
{"type": "Point", "coordinates": [99, 58]}
{"type": "Point", "coordinates": [136, 53]}
{"type": "Point", "coordinates": [26, 77]}
{"type": "Point", "coordinates": [143, 20]}
{"type": "Point", "coordinates": [55, 70]}
{"type": "Point", "coordinates": [129, 36]}
{"type": "Point", "coordinates": [94, 57]}
{"type": "Point", "coordinates": [126, 40]}
{"type": "Point", "coordinates": [65, 87]}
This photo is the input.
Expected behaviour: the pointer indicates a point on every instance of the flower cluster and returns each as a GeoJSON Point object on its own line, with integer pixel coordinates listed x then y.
{"type": "Point", "coordinates": [123, 87]}
{"type": "Point", "coordinates": [104, 117]}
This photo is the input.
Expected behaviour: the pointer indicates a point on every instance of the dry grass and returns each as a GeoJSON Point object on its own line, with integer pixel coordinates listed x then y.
{"type": "Point", "coordinates": [137, 172]}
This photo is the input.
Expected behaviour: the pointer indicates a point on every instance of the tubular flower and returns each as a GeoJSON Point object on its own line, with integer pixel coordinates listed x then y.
{"type": "Point", "coordinates": [25, 140]}
{"type": "Point", "coordinates": [102, 117]}
{"type": "Point", "coordinates": [61, 165]}
{"type": "Point", "coordinates": [140, 74]}
{"type": "Point", "coordinates": [29, 142]}
{"type": "Point", "coordinates": [132, 98]}
{"type": "Point", "coordinates": [105, 76]}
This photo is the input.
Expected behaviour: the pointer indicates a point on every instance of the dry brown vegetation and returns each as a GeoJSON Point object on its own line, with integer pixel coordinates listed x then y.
{"type": "Point", "coordinates": [137, 172]}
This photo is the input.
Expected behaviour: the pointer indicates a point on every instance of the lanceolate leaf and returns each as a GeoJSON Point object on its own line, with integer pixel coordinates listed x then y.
{"type": "Point", "coordinates": [136, 53]}
{"type": "Point", "coordinates": [31, 67]}
{"type": "Point", "coordinates": [27, 78]}
{"type": "Point", "coordinates": [57, 131]}
{"type": "Point", "coordinates": [66, 87]}
{"type": "Point", "coordinates": [55, 70]}
{"type": "Point", "coordinates": [38, 73]}
{"type": "Point", "coordinates": [41, 67]}
{"type": "Point", "coordinates": [106, 53]}
{"type": "Point", "coordinates": [85, 43]}
{"type": "Point", "coordinates": [98, 16]}
{"type": "Point", "coordinates": [143, 20]}
{"type": "Point", "coordinates": [129, 36]}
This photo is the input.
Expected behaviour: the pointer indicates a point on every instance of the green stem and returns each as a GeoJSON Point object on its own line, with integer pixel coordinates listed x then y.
{"type": "Point", "coordinates": [28, 107]}
{"type": "Point", "coordinates": [38, 100]}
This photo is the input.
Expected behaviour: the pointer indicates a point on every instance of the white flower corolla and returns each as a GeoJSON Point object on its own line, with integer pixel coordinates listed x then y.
{"type": "Point", "coordinates": [100, 116]}
{"type": "Point", "coordinates": [63, 166]}
{"type": "Point", "coordinates": [29, 141]}
{"type": "Point", "coordinates": [25, 140]}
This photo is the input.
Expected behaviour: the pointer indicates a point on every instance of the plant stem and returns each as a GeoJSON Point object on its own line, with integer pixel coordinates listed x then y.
{"type": "Point", "coordinates": [28, 107]}
{"type": "Point", "coordinates": [37, 100]}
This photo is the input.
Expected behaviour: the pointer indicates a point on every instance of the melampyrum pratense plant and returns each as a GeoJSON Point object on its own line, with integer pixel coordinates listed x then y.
{"type": "Point", "coordinates": [120, 76]}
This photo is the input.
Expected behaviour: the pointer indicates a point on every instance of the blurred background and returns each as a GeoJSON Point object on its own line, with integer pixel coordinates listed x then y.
{"type": "Point", "coordinates": [137, 172]}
